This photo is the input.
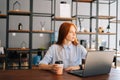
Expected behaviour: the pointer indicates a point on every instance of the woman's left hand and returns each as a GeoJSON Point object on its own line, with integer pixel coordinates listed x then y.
{"type": "Point", "coordinates": [72, 68]}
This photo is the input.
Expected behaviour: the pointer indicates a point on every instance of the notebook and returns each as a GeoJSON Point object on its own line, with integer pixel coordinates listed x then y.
{"type": "Point", "coordinates": [97, 63]}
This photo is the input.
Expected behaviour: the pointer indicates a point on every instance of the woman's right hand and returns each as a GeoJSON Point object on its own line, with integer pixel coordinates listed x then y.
{"type": "Point", "coordinates": [54, 67]}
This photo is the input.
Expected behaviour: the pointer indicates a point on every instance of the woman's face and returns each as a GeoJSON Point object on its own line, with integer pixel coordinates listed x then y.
{"type": "Point", "coordinates": [71, 34]}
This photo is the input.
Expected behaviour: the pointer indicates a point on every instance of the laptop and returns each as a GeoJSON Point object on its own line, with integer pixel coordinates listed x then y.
{"type": "Point", "coordinates": [97, 63]}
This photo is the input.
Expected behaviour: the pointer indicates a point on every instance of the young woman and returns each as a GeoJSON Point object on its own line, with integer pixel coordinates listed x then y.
{"type": "Point", "coordinates": [66, 49]}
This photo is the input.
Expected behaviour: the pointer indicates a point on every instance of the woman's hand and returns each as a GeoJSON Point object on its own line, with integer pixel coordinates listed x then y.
{"type": "Point", "coordinates": [54, 68]}
{"type": "Point", "coordinates": [72, 68]}
{"type": "Point", "coordinates": [51, 67]}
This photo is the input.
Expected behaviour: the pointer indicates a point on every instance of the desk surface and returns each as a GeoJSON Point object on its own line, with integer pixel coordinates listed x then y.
{"type": "Point", "coordinates": [47, 75]}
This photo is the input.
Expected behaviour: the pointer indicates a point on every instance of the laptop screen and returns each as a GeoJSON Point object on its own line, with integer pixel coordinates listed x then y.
{"type": "Point", "coordinates": [97, 62]}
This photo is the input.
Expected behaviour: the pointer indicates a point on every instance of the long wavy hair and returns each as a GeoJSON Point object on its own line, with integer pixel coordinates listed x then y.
{"type": "Point", "coordinates": [63, 31]}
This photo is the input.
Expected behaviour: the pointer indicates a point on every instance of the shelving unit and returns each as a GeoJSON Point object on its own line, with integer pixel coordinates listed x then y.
{"type": "Point", "coordinates": [57, 18]}
{"type": "Point", "coordinates": [3, 17]}
{"type": "Point", "coordinates": [109, 17]}
{"type": "Point", "coordinates": [49, 14]}
{"type": "Point", "coordinates": [84, 16]}
{"type": "Point", "coordinates": [30, 31]}
{"type": "Point", "coordinates": [97, 17]}
{"type": "Point", "coordinates": [19, 50]}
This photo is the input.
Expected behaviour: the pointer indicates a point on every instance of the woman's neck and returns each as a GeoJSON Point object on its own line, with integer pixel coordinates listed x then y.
{"type": "Point", "coordinates": [66, 42]}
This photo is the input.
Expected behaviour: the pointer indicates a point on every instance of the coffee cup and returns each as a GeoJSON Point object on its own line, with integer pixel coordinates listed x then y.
{"type": "Point", "coordinates": [60, 67]}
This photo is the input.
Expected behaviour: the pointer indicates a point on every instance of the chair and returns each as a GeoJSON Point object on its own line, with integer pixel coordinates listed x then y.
{"type": "Point", "coordinates": [15, 59]}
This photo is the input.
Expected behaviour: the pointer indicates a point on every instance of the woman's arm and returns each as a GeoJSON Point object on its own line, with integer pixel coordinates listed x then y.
{"type": "Point", "coordinates": [45, 66]}
{"type": "Point", "coordinates": [72, 68]}
{"type": "Point", "coordinates": [51, 67]}
{"type": "Point", "coordinates": [76, 67]}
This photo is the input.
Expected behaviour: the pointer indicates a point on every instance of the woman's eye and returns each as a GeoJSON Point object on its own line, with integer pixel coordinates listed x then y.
{"type": "Point", "coordinates": [71, 32]}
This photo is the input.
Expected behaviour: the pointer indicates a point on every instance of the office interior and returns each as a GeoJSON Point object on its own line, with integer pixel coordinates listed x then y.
{"type": "Point", "coordinates": [29, 27]}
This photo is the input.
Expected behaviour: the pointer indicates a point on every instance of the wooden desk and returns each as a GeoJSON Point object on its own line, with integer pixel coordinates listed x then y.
{"type": "Point", "coordinates": [47, 75]}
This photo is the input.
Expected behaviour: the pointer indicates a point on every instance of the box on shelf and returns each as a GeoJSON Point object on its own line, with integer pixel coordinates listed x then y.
{"type": "Point", "coordinates": [65, 9]}
{"type": "Point", "coordinates": [1, 50]}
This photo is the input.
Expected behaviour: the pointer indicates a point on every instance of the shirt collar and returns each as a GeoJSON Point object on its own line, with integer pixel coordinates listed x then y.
{"type": "Point", "coordinates": [68, 46]}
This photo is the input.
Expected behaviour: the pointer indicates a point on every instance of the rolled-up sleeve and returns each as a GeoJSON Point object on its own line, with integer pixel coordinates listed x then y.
{"type": "Point", "coordinates": [83, 52]}
{"type": "Point", "coordinates": [48, 56]}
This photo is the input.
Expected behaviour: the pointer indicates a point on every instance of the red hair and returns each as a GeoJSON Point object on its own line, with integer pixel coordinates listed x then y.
{"type": "Point", "coordinates": [63, 31]}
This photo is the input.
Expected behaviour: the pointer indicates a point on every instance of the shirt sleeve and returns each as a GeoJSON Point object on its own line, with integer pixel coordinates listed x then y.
{"type": "Point", "coordinates": [48, 56]}
{"type": "Point", "coordinates": [83, 52]}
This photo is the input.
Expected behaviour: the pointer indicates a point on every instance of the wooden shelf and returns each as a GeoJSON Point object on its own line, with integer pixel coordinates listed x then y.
{"type": "Point", "coordinates": [20, 31]}
{"type": "Point", "coordinates": [18, 12]}
{"type": "Point", "coordinates": [2, 56]}
{"type": "Point", "coordinates": [104, 17]}
{"type": "Point", "coordinates": [82, 16]}
{"type": "Point", "coordinates": [42, 14]}
{"type": "Point", "coordinates": [40, 31]}
{"type": "Point", "coordinates": [114, 21]}
{"type": "Point", "coordinates": [83, 1]}
{"type": "Point", "coordinates": [18, 49]}
{"type": "Point", "coordinates": [106, 1]}
{"type": "Point", "coordinates": [3, 16]}
{"type": "Point", "coordinates": [63, 19]}
{"type": "Point", "coordinates": [108, 33]}
{"type": "Point", "coordinates": [85, 33]}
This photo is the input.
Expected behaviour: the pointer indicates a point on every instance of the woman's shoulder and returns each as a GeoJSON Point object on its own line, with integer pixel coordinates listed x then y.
{"type": "Point", "coordinates": [80, 46]}
{"type": "Point", "coordinates": [54, 46]}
